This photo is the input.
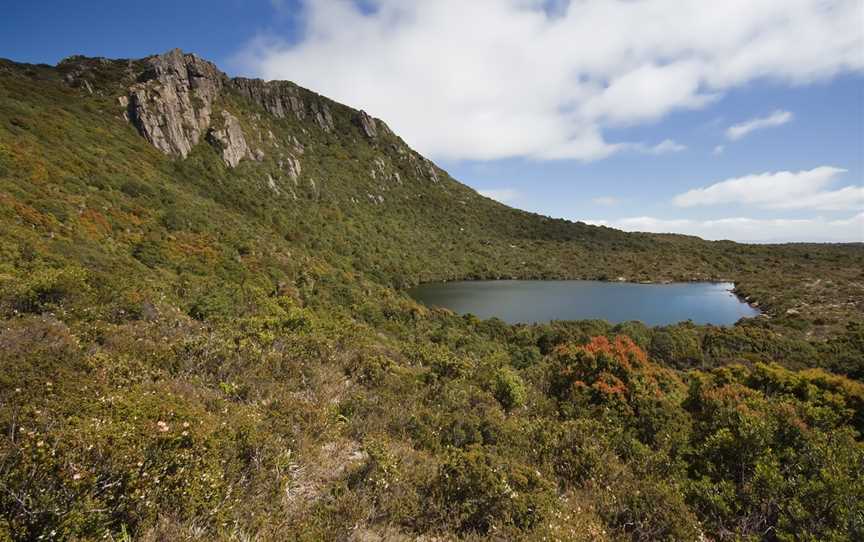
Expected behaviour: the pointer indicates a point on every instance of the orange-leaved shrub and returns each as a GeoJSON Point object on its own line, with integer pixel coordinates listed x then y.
{"type": "Point", "coordinates": [615, 378]}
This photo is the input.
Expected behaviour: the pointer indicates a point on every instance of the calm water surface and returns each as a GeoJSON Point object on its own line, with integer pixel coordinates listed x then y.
{"type": "Point", "coordinates": [531, 301]}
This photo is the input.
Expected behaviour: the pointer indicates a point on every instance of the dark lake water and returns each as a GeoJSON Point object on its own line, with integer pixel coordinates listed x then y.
{"type": "Point", "coordinates": [529, 301]}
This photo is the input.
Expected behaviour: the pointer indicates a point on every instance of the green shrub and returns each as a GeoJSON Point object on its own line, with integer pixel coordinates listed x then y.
{"type": "Point", "coordinates": [43, 290]}
{"type": "Point", "coordinates": [648, 510]}
{"type": "Point", "coordinates": [478, 490]}
{"type": "Point", "coordinates": [752, 445]}
{"type": "Point", "coordinates": [522, 357]}
{"type": "Point", "coordinates": [678, 346]}
{"type": "Point", "coordinates": [509, 388]}
{"type": "Point", "coordinates": [844, 354]}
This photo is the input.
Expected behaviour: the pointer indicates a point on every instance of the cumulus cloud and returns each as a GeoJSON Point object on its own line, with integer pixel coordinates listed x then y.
{"type": "Point", "coordinates": [752, 230]}
{"type": "Point", "coordinates": [718, 150]}
{"type": "Point", "coordinates": [780, 190]}
{"type": "Point", "coordinates": [501, 195]}
{"type": "Point", "coordinates": [777, 118]}
{"type": "Point", "coordinates": [491, 79]}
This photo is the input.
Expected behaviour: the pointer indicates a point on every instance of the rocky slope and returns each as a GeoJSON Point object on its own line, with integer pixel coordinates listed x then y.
{"type": "Point", "coordinates": [171, 104]}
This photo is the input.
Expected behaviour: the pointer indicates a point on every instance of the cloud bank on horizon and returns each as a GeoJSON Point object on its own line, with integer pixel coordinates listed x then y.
{"type": "Point", "coordinates": [748, 230]}
{"type": "Point", "coordinates": [553, 80]}
{"type": "Point", "coordinates": [778, 190]}
{"type": "Point", "coordinates": [808, 190]}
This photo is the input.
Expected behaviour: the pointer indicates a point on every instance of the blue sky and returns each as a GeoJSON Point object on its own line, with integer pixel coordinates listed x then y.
{"type": "Point", "coordinates": [619, 113]}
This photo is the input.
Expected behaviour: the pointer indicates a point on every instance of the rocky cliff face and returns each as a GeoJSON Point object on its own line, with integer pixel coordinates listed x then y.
{"type": "Point", "coordinates": [175, 104]}
{"type": "Point", "coordinates": [281, 98]}
{"type": "Point", "coordinates": [367, 124]}
{"type": "Point", "coordinates": [230, 140]}
{"type": "Point", "coordinates": [172, 102]}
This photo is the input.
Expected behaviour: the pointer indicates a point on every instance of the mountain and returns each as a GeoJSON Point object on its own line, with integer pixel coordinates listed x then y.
{"type": "Point", "coordinates": [205, 335]}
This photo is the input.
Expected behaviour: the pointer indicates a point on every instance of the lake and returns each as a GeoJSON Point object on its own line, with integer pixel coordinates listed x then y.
{"type": "Point", "coordinates": [530, 301]}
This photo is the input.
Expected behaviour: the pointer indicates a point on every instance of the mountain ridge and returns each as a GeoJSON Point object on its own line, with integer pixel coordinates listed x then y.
{"type": "Point", "coordinates": [177, 101]}
{"type": "Point", "coordinates": [269, 95]}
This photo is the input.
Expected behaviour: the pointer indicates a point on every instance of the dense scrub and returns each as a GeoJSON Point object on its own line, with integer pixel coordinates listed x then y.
{"type": "Point", "coordinates": [187, 354]}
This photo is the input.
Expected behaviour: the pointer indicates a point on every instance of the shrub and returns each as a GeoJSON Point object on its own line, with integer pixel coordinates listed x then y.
{"type": "Point", "coordinates": [612, 374]}
{"type": "Point", "coordinates": [522, 357]}
{"type": "Point", "coordinates": [844, 353]}
{"type": "Point", "coordinates": [649, 510]}
{"type": "Point", "coordinates": [478, 490]}
{"type": "Point", "coordinates": [676, 345]}
{"type": "Point", "coordinates": [42, 290]}
{"type": "Point", "coordinates": [509, 388]}
{"type": "Point", "coordinates": [778, 463]}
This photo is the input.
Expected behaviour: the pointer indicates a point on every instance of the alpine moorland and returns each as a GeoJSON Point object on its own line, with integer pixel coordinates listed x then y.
{"type": "Point", "coordinates": [206, 335]}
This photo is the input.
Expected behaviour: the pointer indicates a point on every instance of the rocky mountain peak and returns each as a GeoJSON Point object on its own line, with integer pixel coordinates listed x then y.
{"type": "Point", "coordinates": [172, 101]}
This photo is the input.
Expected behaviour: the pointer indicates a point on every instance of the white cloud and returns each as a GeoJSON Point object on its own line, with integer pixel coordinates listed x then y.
{"type": "Point", "coordinates": [606, 200]}
{"type": "Point", "coordinates": [664, 147]}
{"type": "Point", "coordinates": [500, 78]}
{"type": "Point", "coordinates": [777, 118]}
{"type": "Point", "coordinates": [751, 230]}
{"type": "Point", "coordinates": [780, 190]}
{"type": "Point", "coordinates": [718, 150]}
{"type": "Point", "coordinates": [667, 146]}
{"type": "Point", "coordinates": [501, 195]}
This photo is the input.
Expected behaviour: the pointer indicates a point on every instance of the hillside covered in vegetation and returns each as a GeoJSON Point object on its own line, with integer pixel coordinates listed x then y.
{"type": "Point", "coordinates": [205, 336]}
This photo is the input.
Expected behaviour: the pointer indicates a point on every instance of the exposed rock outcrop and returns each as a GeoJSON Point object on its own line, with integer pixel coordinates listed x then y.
{"type": "Point", "coordinates": [230, 140]}
{"type": "Point", "coordinates": [381, 171]}
{"type": "Point", "coordinates": [297, 146]}
{"type": "Point", "coordinates": [367, 124]}
{"type": "Point", "coordinates": [291, 166]}
{"type": "Point", "coordinates": [277, 97]}
{"type": "Point", "coordinates": [431, 170]}
{"type": "Point", "coordinates": [172, 101]}
{"type": "Point", "coordinates": [283, 97]}
{"type": "Point", "coordinates": [323, 118]}
{"type": "Point", "coordinates": [174, 98]}
{"type": "Point", "coordinates": [271, 183]}
{"type": "Point", "coordinates": [424, 167]}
